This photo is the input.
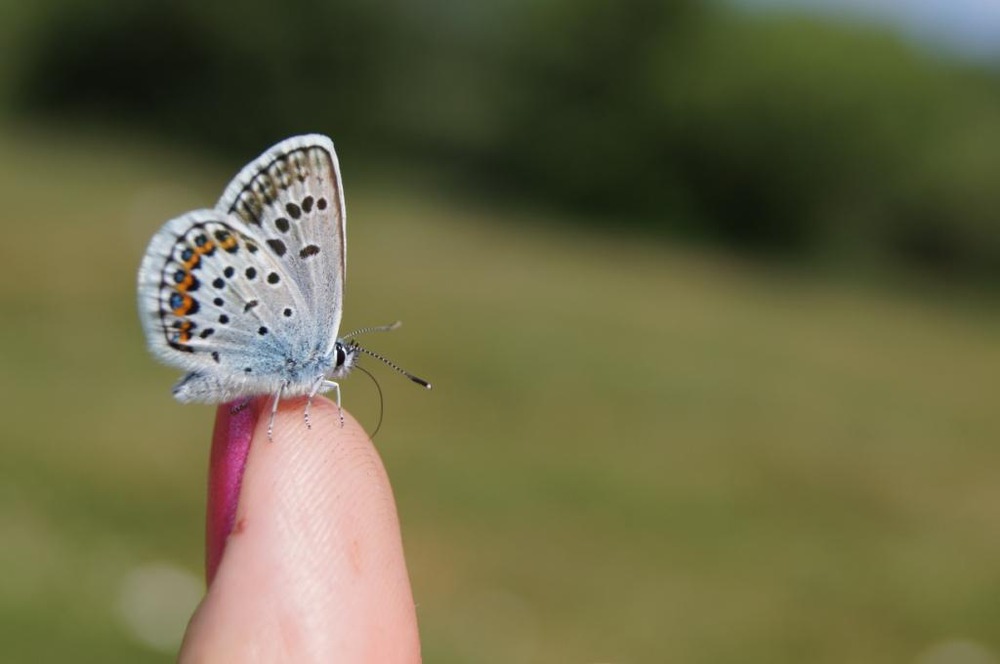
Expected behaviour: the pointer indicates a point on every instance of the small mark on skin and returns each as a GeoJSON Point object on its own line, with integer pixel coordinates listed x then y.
{"type": "Point", "coordinates": [219, 282]}
{"type": "Point", "coordinates": [229, 272]}
{"type": "Point", "coordinates": [262, 330]}
{"type": "Point", "coordinates": [310, 250]}
{"type": "Point", "coordinates": [273, 278]}
{"type": "Point", "coordinates": [215, 356]}
{"type": "Point", "coordinates": [251, 273]}
{"type": "Point", "coordinates": [294, 211]}
{"type": "Point", "coordinates": [223, 319]}
{"type": "Point", "coordinates": [287, 312]}
{"type": "Point", "coordinates": [282, 224]}
{"type": "Point", "coordinates": [250, 305]}
{"type": "Point", "coordinates": [321, 204]}
{"type": "Point", "coordinates": [277, 246]}
{"type": "Point", "coordinates": [307, 204]}
{"type": "Point", "coordinates": [356, 555]}
{"type": "Point", "coordinates": [239, 526]}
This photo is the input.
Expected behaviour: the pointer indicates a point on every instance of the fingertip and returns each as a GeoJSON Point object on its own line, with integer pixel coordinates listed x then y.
{"type": "Point", "coordinates": [313, 555]}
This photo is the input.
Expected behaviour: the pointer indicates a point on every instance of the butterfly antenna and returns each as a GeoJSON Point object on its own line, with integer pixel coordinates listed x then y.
{"type": "Point", "coordinates": [375, 328]}
{"type": "Point", "coordinates": [381, 401]}
{"type": "Point", "coordinates": [394, 366]}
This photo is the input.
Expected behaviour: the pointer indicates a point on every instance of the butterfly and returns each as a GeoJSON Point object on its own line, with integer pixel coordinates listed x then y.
{"type": "Point", "coordinates": [247, 297]}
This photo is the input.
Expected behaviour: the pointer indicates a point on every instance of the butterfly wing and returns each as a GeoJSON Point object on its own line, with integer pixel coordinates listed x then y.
{"type": "Point", "coordinates": [214, 302]}
{"type": "Point", "coordinates": [291, 199]}
{"type": "Point", "coordinates": [247, 297]}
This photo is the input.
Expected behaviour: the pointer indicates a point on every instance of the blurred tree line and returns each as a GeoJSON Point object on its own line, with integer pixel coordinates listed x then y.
{"type": "Point", "coordinates": [769, 133]}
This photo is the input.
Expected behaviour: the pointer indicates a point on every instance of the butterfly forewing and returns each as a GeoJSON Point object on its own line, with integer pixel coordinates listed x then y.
{"type": "Point", "coordinates": [291, 200]}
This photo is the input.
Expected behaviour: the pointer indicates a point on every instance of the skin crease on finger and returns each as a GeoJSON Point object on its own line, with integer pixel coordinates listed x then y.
{"type": "Point", "coordinates": [313, 569]}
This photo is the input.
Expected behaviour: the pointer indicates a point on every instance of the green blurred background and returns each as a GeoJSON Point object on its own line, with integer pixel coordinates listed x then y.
{"type": "Point", "coordinates": [707, 291]}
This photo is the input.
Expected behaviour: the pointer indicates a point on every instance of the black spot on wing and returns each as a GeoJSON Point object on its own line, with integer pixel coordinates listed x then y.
{"type": "Point", "coordinates": [277, 246]}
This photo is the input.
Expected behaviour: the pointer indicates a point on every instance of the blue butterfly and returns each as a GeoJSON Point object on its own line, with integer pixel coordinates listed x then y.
{"type": "Point", "coordinates": [247, 297]}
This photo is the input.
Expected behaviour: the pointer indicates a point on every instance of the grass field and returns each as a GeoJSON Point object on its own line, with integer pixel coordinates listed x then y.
{"type": "Point", "coordinates": [632, 453]}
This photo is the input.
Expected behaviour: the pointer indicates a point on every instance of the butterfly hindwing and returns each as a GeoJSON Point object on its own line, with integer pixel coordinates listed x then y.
{"type": "Point", "coordinates": [213, 302]}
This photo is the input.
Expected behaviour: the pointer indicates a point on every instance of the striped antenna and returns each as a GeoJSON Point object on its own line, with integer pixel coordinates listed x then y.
{"type": "Point", "coordinates": [392, 365]}
{"type": "Point", "coordinates": [376, 328]}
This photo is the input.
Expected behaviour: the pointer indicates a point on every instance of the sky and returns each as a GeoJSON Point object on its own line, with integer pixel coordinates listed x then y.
{"type": "Point", "coordinates": [969, 28]}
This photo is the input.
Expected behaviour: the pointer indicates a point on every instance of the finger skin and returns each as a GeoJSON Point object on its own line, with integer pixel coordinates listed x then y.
{"type": "Point", "coordinates": [313, 568]}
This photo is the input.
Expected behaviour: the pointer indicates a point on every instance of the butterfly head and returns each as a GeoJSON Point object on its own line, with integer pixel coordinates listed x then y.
{"type": "Point", "coordinates": [345, 356]}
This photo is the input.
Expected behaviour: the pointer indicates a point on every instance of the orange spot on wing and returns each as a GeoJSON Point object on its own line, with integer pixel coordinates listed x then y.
{"type": "Point", "coordinates": [184, 307]}
{"type": "Point", "coordinates": [187, 283]}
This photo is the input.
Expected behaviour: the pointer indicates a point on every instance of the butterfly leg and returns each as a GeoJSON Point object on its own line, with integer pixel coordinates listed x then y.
{"type": "Point", "coordinates": [274, 410]}
{"type": "Point", "coordinates": [330, 385]}
{"type": "Point", "coordinates": [312, 394]}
